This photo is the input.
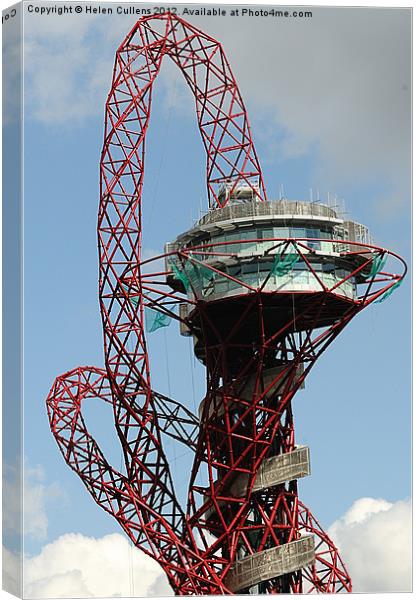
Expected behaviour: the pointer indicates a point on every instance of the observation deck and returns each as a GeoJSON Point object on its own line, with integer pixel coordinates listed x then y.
{"type": "Point", "coordinates": [291, 251]}
{"type": "Point", "coordinates": [243, 240]}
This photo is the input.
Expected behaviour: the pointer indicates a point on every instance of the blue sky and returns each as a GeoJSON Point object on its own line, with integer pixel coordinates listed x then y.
{"type": "Point", "coordinates": [355, 411]}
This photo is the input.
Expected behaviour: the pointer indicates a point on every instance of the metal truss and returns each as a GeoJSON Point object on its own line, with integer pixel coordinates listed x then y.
{"type": "Point", "coordinates": [244, 419]}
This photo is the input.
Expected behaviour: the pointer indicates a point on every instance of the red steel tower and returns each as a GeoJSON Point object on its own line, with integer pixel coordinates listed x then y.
{"type": "Point", "coordinates": [263, 287]}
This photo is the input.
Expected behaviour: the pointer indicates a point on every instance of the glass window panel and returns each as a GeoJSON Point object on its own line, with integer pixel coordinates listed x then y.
{"type": "Point", "coordinates": [221, 286]}
{"type": "Point", "coordinates": [298, 232]}
{"type": "Point", "coordinates": [265, 267]}
{"type": "Point", "coordinates": [300, 266]}
{"type": "Point", "coordinates": [234, 271]}
{"type": "Point", "coordinates": [312, 233]}
{"type": "Point", "coordinates": [326, 234]}
{"type": "Point", "coordinates": [250, 268]}
{"type": "Point", "coordinates": [314, 245]}
{"type": "Point", "coordinates": [281, 232]}
{"type": "Point", "coordinates": [251, 279]}
{"type": "Point", "coordinates": [232, 284]}
{"type": "Point", "coordinates": [218, 240]}
{"type": "Point", "coordinates": [328, 267]}
{"type": "Point", "coordinates": [231, 248]}
{"type": "Point", "coordinates": [316, 266]}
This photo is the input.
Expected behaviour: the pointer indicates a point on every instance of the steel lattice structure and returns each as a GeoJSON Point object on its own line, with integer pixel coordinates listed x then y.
{"type": "Point", "coordinates": [243, 416]}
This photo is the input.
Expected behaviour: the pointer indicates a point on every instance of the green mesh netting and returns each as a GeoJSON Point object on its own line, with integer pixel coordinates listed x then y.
{"type": "Point", "coordinates": [284, 263]}
{"type": "Point", "coordinates": [201, 274]}
{"type": "Point", "coordinates": [180, 275]}
{"type": "Point", "coordinates": [193, 274]}
{"type": "Point", "coordinates": [377, 265]}
{"type": "Point", "coordinates": [155, 320]}
{"type": "Point", "coordinates": [389, 292]}
{"type": "Point", "coordinates": [134, 299]}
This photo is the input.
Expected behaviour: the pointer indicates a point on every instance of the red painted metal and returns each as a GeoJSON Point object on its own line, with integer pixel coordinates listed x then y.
{"type": "Point", "coordinates": [197, 545]}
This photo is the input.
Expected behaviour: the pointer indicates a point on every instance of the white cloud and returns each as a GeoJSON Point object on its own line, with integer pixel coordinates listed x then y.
{"type": "Point", "coordinates": [37, 495]}
{"type": "Point", "coordinates": [11, 572]}
{"type": "Point", "coordinates": [81, 567]}
{"type": "Point", "coordinates": [374, 537]}
{"type": "Point", "coordinates": [73, 565]}
{"type": "Point", "coordinates": [63, 85]}
{"type": "Point", "coordinates": [337, 83]}
{"type": "Point", "coordinates": [68, 66]}
{"type": "Point", "coordinates": [340, 84]}
{"type": "Point", "coordinates": [375, 540]}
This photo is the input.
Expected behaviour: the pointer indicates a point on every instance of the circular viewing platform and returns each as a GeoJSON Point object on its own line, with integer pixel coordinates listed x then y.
{"type": "Point", "coordinates": [282, 246]}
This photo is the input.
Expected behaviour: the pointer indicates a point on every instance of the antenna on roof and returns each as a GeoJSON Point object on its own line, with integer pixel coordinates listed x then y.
{"type": "Point", "coordinates": [342, 207]}
{"type": "Point", "coordinates": [334, 206]}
